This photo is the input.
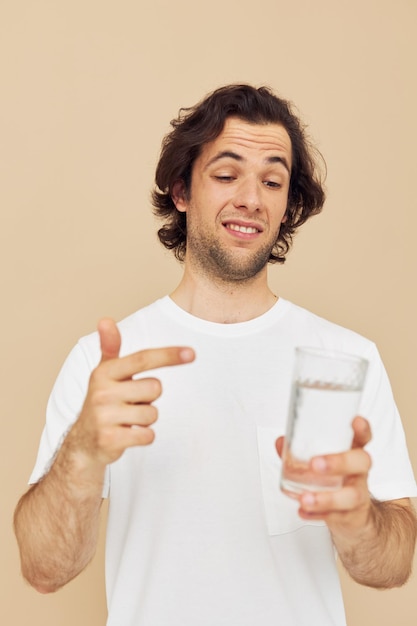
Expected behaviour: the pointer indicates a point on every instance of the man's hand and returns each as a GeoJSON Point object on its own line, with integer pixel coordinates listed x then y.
{"type": "Point", "coordinates": [348, 507]}
{"type": "Point", "coordinates": [118, 412]}
{"type": "Point", "coordinates": [374, 540]}
{"type": "Point", "coordinates": [59, 516]}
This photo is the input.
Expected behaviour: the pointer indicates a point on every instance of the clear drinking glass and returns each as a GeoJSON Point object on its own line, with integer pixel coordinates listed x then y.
{"type": "Point", "coordinates": [327, 386]}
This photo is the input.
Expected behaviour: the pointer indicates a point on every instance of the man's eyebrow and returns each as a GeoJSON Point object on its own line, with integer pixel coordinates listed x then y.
{"type": "Point", "coordinates": [224, 155]}
{"type": "Point", "coordinates": [279, 159]}
{"type": "Point", "coordinates": [237, 157]}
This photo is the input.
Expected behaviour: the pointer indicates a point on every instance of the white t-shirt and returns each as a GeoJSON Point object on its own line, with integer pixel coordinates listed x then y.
{"type": "Point", "coordinates": [198, 530]}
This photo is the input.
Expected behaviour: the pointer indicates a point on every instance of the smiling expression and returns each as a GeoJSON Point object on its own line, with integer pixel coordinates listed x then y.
{"type": "Point", "coordinates": [237, 201]}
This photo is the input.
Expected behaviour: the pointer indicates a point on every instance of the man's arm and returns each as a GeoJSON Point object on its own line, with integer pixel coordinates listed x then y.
{"type": "Point", "coordinates": [57, 520]}
{"type": "Point", "coordinates": [381, 554]}
{"type": "Point", "coordinates": [375, 540]}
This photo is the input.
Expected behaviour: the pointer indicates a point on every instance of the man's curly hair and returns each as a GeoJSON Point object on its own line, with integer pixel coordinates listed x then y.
{"type": "Point", "coordinates": [196, 126]}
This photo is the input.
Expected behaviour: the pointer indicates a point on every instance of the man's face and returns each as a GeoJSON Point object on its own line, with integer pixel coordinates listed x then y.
{"type": "Point", "coordinates": [238, 199]}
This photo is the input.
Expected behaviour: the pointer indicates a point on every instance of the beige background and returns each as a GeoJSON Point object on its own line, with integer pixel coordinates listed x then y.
{"type": "Point", "coordinates": [88, 88]}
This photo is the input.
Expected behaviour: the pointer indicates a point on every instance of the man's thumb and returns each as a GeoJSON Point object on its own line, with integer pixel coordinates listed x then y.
{"type": "Point", "coordinates": [110, 339]}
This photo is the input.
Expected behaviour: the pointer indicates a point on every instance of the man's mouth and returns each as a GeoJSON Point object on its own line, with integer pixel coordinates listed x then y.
{"type": "Point", "coordinates": [242, 229]}
{"type": "Point", "coordinates": [239, 228]}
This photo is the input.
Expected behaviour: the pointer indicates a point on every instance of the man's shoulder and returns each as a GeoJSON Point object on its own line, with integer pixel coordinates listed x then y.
{"type": "Point", "coordinates": [319, 328]}
{"type": "Point", "coordinates": [134, 329]}
{"type": "Point", "coordinates": [138, 317]}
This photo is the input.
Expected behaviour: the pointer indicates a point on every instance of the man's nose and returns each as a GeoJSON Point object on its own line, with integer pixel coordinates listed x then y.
{"type": "Point", "coordinates": [248, 195]}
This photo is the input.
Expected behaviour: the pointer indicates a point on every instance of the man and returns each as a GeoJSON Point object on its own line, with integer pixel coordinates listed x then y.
{"type": "Point", "coordinates": [198, 530]}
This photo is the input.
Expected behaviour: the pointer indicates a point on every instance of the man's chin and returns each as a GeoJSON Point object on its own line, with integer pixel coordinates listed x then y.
{"type": "Point", "coordinates": [235, 270]}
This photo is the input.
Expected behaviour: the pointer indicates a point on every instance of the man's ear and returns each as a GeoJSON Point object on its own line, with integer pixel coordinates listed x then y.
{"type": "Point", "coordinates": [178, 195]}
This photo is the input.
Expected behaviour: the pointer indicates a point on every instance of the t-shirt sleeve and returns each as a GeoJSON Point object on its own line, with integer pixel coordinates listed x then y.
{"type": "Point", "coordinates": [64, 405]}
{"type": "Point", "coordinates": [391, 475]}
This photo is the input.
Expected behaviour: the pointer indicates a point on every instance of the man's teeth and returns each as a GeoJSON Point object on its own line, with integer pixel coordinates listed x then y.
{"type": "Point", "coordinates": [243, 229]}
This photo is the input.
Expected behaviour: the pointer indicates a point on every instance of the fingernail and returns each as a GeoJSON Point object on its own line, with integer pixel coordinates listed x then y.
{"type": "Point", "coordinates": [308, 499]}
{"type": "Point", "coordinates": [187, 354]}
{"type": "Point", "coordinates": [319, 464]}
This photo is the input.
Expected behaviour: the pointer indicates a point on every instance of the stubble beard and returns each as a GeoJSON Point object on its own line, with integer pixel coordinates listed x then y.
{"type": "Point", "coordinates": [224, 265]}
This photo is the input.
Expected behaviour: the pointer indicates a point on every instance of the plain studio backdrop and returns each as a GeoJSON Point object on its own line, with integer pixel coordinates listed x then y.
{"type": "Point", "coordinates": [88, 90]}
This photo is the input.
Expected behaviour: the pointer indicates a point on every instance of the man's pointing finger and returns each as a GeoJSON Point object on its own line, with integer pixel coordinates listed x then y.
{"type": "Point", "coordinates": [127, 366]}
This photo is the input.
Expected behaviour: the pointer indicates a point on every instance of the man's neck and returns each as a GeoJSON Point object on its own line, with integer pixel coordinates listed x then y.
{"type": "Point", "coordinates": [224, 303]}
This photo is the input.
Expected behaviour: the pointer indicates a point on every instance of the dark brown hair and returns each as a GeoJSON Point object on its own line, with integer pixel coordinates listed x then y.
{"type": "Point", "coordinates": [198, 125]}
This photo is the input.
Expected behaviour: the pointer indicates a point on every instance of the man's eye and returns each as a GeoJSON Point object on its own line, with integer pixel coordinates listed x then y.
{"type": "Point", "coordinates": [272, 184]}
{"type": "Point", "coordinates": [224, 178]}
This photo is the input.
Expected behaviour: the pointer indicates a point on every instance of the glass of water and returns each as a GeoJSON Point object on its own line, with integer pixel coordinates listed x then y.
{"type": "Point", "coordinates": [327, 386]}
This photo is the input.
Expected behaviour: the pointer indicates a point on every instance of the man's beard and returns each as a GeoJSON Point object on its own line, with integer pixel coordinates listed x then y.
{"type": "Point", "coordinates": [224, 264]}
